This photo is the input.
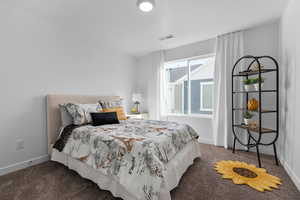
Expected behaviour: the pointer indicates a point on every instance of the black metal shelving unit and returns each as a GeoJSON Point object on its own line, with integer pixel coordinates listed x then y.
{"type": "Point", "coordinates": [254, 140]}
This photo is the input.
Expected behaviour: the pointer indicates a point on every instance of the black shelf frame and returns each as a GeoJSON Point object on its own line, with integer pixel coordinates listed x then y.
{"type": "Point", "coordinates": [252, 141]}
{"type": "Point", "coordinates": [262, 91]}
{"type": "Point", "coordinates": [263, 111]}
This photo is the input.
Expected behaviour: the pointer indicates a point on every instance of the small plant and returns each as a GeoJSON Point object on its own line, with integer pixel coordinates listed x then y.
{"type": "Point", "coordinates": [247, 115]}
{"type": "Point", "coordinates": [257, 80]}
{"type": "Point", "coordinates": [248, 82]}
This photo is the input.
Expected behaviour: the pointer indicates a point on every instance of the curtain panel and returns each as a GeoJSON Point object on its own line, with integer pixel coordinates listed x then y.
{"type": "Point", "coordinates": [156, 86]}
{"type": "Point", "coordinates": [229, 48]}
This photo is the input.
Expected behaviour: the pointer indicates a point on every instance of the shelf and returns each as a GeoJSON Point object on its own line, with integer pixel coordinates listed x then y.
{"type": "Point", "coordinates": [235, 92]}
{"type": "Point", "coordinates": [263, 130]}
{"type": "Point", "coordinates": [263, 111]}
{"type": "Point", "coordinates": [251, 73]}
{"type": "Point", "coordinates": [237, 124]}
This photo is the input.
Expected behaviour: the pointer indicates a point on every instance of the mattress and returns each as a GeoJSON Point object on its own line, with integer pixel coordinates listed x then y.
{"type": "Point", "coordinates": [172, 174]}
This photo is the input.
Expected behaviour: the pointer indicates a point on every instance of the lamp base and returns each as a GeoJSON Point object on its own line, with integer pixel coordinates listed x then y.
{"type": "Point", "coordinates": [135, 113]}
{"type": "Point", "coordinates": [137, 107]}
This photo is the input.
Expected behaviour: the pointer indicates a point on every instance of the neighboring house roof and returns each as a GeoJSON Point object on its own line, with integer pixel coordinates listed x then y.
{"type": "Point", "coordinates": [204, 71]}
{"type": "Point", "coordinates": [178, 73]}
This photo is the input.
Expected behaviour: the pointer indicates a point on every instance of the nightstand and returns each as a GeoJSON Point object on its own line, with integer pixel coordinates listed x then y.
{"type": "Point", "coordinates": [138, 116]}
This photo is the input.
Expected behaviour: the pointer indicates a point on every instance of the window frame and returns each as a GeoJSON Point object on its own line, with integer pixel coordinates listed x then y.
{"type": "Point", "coordinates": [201, 96]}
{"type": "Point", "coordinates": [189, 114]}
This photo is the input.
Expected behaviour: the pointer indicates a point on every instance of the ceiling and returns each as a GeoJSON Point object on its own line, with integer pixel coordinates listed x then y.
{"type": "Point", "coordinates": [120, 24]}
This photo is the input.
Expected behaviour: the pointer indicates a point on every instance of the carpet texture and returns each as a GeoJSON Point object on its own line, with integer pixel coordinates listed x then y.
{"type": "Point", "coordinates": [51, 180]}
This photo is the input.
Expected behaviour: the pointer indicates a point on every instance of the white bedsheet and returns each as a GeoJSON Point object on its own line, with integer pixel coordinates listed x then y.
{"type": "Point", "coordinates": [172, 175]}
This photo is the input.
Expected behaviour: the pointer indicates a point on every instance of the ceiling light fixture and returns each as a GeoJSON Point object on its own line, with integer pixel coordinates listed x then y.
{"type": "Point", "coordinates": [146, 5]}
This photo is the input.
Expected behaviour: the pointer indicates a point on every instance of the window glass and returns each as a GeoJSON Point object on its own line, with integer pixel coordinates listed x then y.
{"type": "Point", "coordinates": [176, 78]}
{"type": "Point", "coordinates": [189, 86]}
{"type": "Point", "coordinates": [206, 96]}
{"type": "Point", "coordinates": [201, 71]}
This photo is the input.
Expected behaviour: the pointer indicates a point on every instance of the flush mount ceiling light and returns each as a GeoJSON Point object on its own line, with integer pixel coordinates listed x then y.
{"type": "Point", "coordinates": [146, 5]}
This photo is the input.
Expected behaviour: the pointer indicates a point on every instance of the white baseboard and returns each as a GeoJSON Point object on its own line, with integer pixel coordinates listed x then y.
{"type": "Point", "coordinates": [291, 173]}
{"type": "Point", "coordinates": [24, 164]}
{"type": "Point", "coordinates": [205, 141]}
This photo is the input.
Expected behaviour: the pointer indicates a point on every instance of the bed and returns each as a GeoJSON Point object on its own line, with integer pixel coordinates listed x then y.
{"type": "Point", "coordinates": [154, 173]}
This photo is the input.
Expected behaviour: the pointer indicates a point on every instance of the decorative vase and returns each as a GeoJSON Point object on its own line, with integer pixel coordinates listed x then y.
{"type": "Point", "coordinates": [248, 87]}
{"type": "Point", "coordinates": [253, 124]}
{"type": "Point", "coordinates": [253, 104]}
{"type": "Point", "coordinates": [256, 86]}
{"type": "Point", "coordinates": [247, 121]}
{"type": "Point", "coordinates": [255, 67]}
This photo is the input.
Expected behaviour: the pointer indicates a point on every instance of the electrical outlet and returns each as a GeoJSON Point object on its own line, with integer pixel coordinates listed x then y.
{"type": "Point", "coordinates": [19, 145]}
{"type": "Point", "coordinates": [29, 163]}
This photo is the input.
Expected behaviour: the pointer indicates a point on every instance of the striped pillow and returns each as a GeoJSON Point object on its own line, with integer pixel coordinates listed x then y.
{"type": "Point", "coordinates": [114, 106]}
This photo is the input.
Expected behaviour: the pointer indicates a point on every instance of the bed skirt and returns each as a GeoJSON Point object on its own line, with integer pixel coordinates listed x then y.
{"type": "Point", "coordinates": [173, 173]}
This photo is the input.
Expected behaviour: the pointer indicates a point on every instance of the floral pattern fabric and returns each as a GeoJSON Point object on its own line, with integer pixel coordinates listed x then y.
{"type": "Point", "coordinates": [133, 152]}
{"type": "Point", "coordinates": [80, 113]}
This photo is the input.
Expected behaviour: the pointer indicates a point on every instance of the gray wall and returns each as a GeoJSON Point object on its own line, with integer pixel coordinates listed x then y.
{"type": "Point", "coordinates": [263, 40]}
{"type": "Point", "coordinates": [290, 87]}
{"type": "Point", "coordinates": [41, 54]}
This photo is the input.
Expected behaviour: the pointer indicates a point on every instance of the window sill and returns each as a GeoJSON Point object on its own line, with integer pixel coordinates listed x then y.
{"type": "Point", "coordinates": [206, 116]}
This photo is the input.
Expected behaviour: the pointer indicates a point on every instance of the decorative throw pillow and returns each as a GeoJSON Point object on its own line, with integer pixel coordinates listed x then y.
{"type": "Point", "coordinates": [104, 118]}
{"type": "Point", "coordinates": [66, 118]}
{"type": "Point", "coordinates": [111, 104]}
{"type": "Point", "coordinates": [119, 110]}
{"type": "Point", "coordinates": [81, 112]}
{"type": "Point", "coordinates": [114, 106]}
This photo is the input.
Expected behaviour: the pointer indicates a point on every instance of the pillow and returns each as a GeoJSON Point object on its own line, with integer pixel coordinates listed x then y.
{"type": "Point", "coordinates": [119, 110]}
{"type": "Point", "coordinates": [88, 109]}
{"type": "Point", "coordinates": [81, 112]}
{"type": "Point", "coordinates": [114, 106]}
{"type": "Point", "coordinates": [104, 118]}
{"type": "Point", "coordinates": [111, 104]}
{"type": "Point", "coordinates": [66, 118]}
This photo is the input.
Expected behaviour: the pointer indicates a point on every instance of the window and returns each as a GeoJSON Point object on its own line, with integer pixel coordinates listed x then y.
{"type": "Point", "coordinates": [189, 86]}
{"type": "Point", "coordinates": [206, 96]}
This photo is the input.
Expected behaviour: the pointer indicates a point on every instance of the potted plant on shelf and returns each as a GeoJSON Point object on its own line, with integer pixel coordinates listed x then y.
{"type": "Point", "coordinates": [248, 85]}
{"type": "Point", "coordinates": [247, 117]}
{"type": "Point", "coordinates": [256, 82]}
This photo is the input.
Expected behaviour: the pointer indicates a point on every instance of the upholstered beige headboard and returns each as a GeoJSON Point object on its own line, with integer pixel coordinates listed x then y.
{"type": "Point", "coordinates": [53, 113]}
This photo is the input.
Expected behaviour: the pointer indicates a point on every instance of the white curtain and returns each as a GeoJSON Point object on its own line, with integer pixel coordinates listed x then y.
{"type": "Point", "coordinates": [229, 49]}
{"type": "Point", "coordinates": [156, 86]}
{"type": "Point", "coordinates": [161, 87]}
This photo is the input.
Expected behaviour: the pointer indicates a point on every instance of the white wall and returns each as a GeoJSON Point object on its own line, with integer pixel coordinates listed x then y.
{"type": "Point", "coordinates": [290, 87]}
{"type": "Point", "coordinates": [191, 50]}
{"type": "Point", "coordinates": [259, 40]}
{"type": "Point", "coordinates": [42, 52]}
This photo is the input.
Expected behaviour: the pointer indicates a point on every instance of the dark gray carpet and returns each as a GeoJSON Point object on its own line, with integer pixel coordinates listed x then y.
{"type": "Point", "coordinates": [51, 180]}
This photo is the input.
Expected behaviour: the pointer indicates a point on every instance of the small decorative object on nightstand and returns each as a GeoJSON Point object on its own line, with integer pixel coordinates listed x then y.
{"type": "Point", "coordinates": [138, 116]}
{"type": "Point", "coordinates": [136, 98]}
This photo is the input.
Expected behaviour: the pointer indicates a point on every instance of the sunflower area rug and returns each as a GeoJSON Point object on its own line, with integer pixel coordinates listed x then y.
{"type": "Point", "coordinates": [243, 173]}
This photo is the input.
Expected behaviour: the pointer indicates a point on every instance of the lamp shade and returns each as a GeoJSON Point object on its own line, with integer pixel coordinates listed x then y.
{"type": "Point", "coordinates": [137, 97]}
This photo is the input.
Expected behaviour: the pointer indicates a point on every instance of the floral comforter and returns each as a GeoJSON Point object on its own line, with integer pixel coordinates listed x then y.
{"type": "Point", "coordinates": [133, 152]}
